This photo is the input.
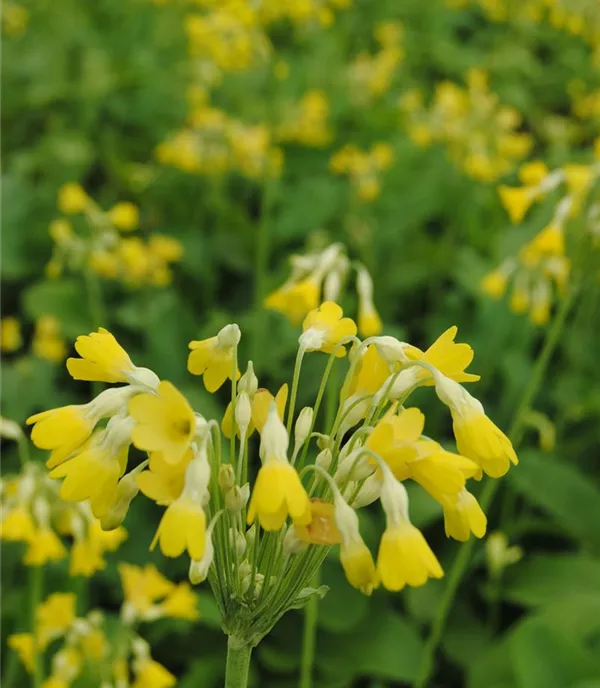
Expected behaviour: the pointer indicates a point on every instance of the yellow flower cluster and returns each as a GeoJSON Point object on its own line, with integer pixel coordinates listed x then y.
{"type": "Point", "coordinates": [33, 513]}
{"type": "Point", "coordinates": [481, 134]}
{"type": "Point", "coordinates": [101, 246]}
{"type": "Point", "coordinates": [363, 168]}
{"type": "Point", "coordinates": [371, 75]}
{"type": "Point", "coordinates": [576, 18]}
{"type": "Point", "coordinates": [307, 500]}
{"type": "Point", "coordinates": [89, 651]}
{"type": "Point", "coordinates": [320, 276]}
{"type": "Point", "coordinates": [542, 263]}
{"type": "Point", "coordinates": [306, 122]}
{"type": "Point", "coordinates": [214, 143]}
{"type": "Point", "coordinates": [47, 343]}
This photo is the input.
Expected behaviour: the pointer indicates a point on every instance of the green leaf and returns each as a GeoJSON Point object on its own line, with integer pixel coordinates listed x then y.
{"type": "Point", "coordinates": [62, 299]}
{"type": "Point", "coordinates": [559, 487]}
{"type": "Point", "coordinates": [543, 657]}
{"type": "Point", "coordinates": [307, 593]}
{"type": "Point", "coordinates": [542, 579]}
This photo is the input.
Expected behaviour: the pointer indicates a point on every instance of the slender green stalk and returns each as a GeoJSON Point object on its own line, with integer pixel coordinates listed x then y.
{"type": "Point", "coordinates": [238, 663]}
{"type": "Point", "coordinates": [309, 637]}
{"type": "Point", "coordinates": [260, 268]}
{"type": "Point", "coordinates": [95, 299]}
{"type": "Point", "coordinates": [515, 433]}
{"type": "Point", "coordinates": [36, 587]}
{"type": "Point", "coordinates": [294, 392]}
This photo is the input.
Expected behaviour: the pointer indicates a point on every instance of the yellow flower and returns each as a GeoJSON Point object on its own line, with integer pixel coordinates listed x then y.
{"type": "Point", "coordinates": [23, 645]}
{"type": "Point", "coordinates": [87, 553]}
{"type": "Point", "coordinates": [165, 422]}
{"type": "Point", "coordinates": [72, 199]}
{"type": "Point", "coordinates": [325, 327]}
{"type": "Point", "coordinates": [322, 529]}
{"type": "Point", "coordinates": [578, 177]}
{"type": "Point", "coordinates": [359, 567]}
{"type": "Point", "coordinates": [54, 616]}
{"type": "Point", "coordinates": [47, 341]}
{"type": "Point", "coordinates": [213, 358]}
{"type": "Point", "coordinates": [181, 603]}
{"type": "Point", "coordinates": [295, 300]}
{"type": "Point", "coordinates": [517, 201]}
{"type": "Point", "coordinates": [44, 546]}
{"type": "Point", "coordinates": [182, 527]}
{"type": "Point", "coordinates": [450, 358]}
{"type": "Point", "coordinates": [370, 373]}
{"type": "Point", "coordinates": [61, 231]}
{"type": "Point", "coordinates": [394, 439]}
{"type": "Point", "coordinates": [124, 216]}
{"type": "Point", "coordinates": [278, 490]}
{"type": "Point", "coordinates": [550, 241]}
{"type": "Point", "coordinates": [405, 558]}
{"type": "Point", "coordinates": [477, 437]}
{"type": "Point", "coordinates": [17, 525]}
{"type": "Point", "coordinates": [369, 322]}
{"type": "Point", "coordinates": [94, 645]}
{"type": "Point", "coordinates": [261, 403]}
{"type": "Point", "coordinates": [533, 173]}
{"type": "Point", "coordinates": [102, 359]}
{"type": "Point", "coordinates": [494, 284]}
{"type": "Point", "coordinates": [10, 334]}
{"type": "Point", "coordinates": [151, 674]}
{"type": "Point", "coordinates": [463, 516]}
{"type": "Point", "coordinates": [162, 487]}
{"type": "Point", "coordinates": [142, 587]}
{"type": "Point", "coordinates": [62, 430]}
{"type": "Point", "coordinates": [166, 248]}
{"type": "Point", "coordinates": [441, 473]}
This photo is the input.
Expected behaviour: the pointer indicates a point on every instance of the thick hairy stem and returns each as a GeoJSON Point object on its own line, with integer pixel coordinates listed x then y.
{"type": "Point", "coordinates": [238, 662]}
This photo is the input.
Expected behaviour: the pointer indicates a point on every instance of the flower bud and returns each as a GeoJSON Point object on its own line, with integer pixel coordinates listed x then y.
{"type": "Point", "coordinates": [144, 377]}
{"type": "Point", "coordinates": [243, 413]}
{"type": "Point", "coordinates": [292, 543]}
{"type": "Point", "coordinates": [237, 541]}
{"type": "Point", "coordinates": [245, 569]}
{"type": "Point", "coordinates": [259, 580]}
{"type": "Point", "coordinates": [324, 459]}
{"type": "Point", "coordinates": [499, 555]}
{"type": "Point", "coordinates": [251, 535]}
{"type": "Point", "coordinates": [248, 383]}
{"type": "Point", "coordinates": [391, 348]}
{"type": "Point", "coordinates": [199, 568]}
{"type": "Point", "coordinates": [274, 438]}
{"type": "Point", "coordinates": [10, 430]}
{"type": "Point", "coordinates": [324, 442]}
{"type": "Point", "coordinates": [237, 497]}
{"type": "Point", "coordinates": [127, 489]}
{"type": "Point", "coordinates": [229, 336]}
{"type": "Point", "coordinates": [303, 425]}
{"type": "Point", "coordinates": [226, 478]}
{"type": "Point", "coordinates": [369, 491]}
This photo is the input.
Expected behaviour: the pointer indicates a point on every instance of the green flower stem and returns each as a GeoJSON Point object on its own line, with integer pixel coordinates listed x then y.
{"type": "Point", "coordinates": [36, 588]}
{"type": "Point", "coordinates": [238, 663]}
{"type": "Point", "coordinates": [95, 299]}
{"type": "Point", "coordinates": [260, 269]}
{"type": "Point", "coordinates": [294, 392]}
{"type": "Point", "coordinates": [309, 637]}
{"type": "Point", "coordinates": [515, 433]}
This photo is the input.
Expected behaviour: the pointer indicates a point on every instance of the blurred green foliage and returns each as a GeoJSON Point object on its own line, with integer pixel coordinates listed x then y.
{"type": "Point", "coordinates": [91, 89]}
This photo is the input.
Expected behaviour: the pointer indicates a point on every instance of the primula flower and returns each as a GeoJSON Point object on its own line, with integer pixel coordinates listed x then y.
{"type": "Point", "coordinates": [54, 616]}
{"type": "Point", "coordinates": [450, 358]}
{"type": "Point", "coordinates": [404, 556]}
{"type": "Point", "coordinates": [324, 328]}
{"type": "Point", "coordinates": [369, 322]}
{"type": "Point", "coordinates": [124, 216]}
{"type": "Point", "coordinates": [87, 552]}
{"type": "Point", "coordinates": [17, 525]}
{"type": "Point", "coordinates": [517, 201]}
{"type": "Point", "coordinates": [394, 439]}
{"type": "Point", "coordinates": [213, 358]}
{"type": "Point", "coordinates": [463, 516]}
{"type": "Point", "coordinates": [102, 359]}
{"type": "Point", "coordinates": [44, 546]}
{"type": "Point", "coordinates": [322, 529]}
{"type": "Point", "coordinates": [278, 490]}
{"type": "Point", "coordinates": [355, 556]}
{"type": "Point", "coordinates": [261, 404]}
{"type": "Point", "coordinates": [62, 430]}
{"type": "Point", "coordinates": [181, 603]}
{"type": "Point", "coordinates": [183, 525]}
{"type": "Point", "coordinates": [494, 284]}
{"type": "Point", "coordinates": [10, 334]}
{"type": "Point", "coordinates": [72, 199]}
{"type": "Point", "coordinates": [23, 644]}
{"type": "Point", "coordinates": [295, 300]}
{"type": "Point", "coordinates": [165, 422]}
{"type": "Point", "coordinates": [143, 586]}
{"type": "Point", "coordinates": [477, 437]}
{"type": "Point", "coordinates": [151, 674]}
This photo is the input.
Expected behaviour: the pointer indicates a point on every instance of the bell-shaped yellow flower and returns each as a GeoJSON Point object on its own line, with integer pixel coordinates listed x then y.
{"type": "Point", "coordinates": [405, 558]}
{"type": "Point", "coordinates": [295, 300]}
{"type": "Point", "coordinates": [477, 437]}
{"type": "Point", "coordinates": [62, 430]}
{"type": "Point", "coordinates": [23, 644]}
{"type": "Point", "coordinates": [17, 525]}
{"type": "Point", "coordinates": [182, 527]}
{"type": "Point", "coordinates": [103, 359]}
{"type": "Point", "coordinates": [213, 358]}
{"type": "Point", "coordinates": [324, 328]}
{"type": "Point", "coordinates": [180, 603]}
{"type": "Point", "coordinates": [165, 422]}
{"type": "Point", "coordinates": [44, 546]}
{"type": "Point", "coordinates": [72, 198]}
{"type": "Point", "coordinates": [394, 439]}
{"type": "Point", "coordinates": [494, 284]}
{"type": "Point", "coordinates": [359, 567]}
{"type": "Point", "coordinates": [54, 616]}
{"type": "Point", "coordinates": [142, 587]}
{"type": "Point", "coordinates": [463, 516]}
{"type": "Point", "coordinates": [439, 472]}
{"type": "Point", "coordinates": [261, 403]}
{"type": "Point", "coordinates": [151, 674]}
{"type": "Point", "coordinates": [450, 358]}
{"type": "Point", "coordinates": [124, 216]}
{"type": "Point", "coordinates": [322, 529]}
{"type": "Point", "coordinates": [278, 492]}
{"type": "Point", "coordinates": [516, 201]}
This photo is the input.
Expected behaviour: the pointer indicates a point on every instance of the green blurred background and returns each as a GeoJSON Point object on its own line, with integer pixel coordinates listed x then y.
{"type": "Point", "coordinates": [92, 90]}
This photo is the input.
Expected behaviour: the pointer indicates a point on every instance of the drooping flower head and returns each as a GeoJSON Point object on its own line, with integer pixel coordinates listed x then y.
{"type": "Point", "coordinates": [325, 327]}
{"type": "Point", "coordinates": [213, 358]}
